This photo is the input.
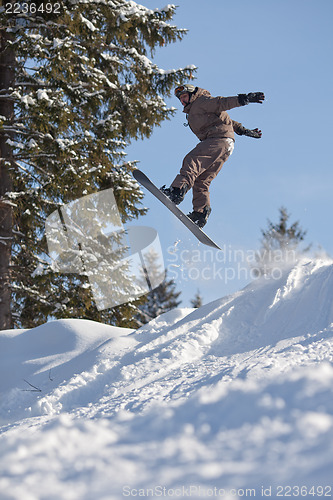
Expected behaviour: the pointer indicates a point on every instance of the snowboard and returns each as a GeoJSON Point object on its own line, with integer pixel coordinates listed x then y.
{"type": "Point", "coordinates": [195, 230]}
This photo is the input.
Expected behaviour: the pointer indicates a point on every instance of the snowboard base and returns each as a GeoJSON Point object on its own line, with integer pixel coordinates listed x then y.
{"type": "Point", "coordinates": [195, 230]}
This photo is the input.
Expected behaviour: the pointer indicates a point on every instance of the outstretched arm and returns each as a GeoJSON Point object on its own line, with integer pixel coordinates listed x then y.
{"type": "Point", "coordinates": [241, 130]}
{"type": "Point", "coordinates": [219, 104]}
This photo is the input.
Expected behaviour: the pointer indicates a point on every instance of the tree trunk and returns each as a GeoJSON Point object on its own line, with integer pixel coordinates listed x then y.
{"type": "Point", "coordinates": [7, 74]}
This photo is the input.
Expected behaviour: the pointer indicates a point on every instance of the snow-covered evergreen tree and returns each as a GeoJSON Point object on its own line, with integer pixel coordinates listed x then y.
{"type": "Point", "coordinates": [280, 244]}
{"type": "Point", "coordinates": [161, 299]}
{"type": "Point", "coordinates": [77, 84]}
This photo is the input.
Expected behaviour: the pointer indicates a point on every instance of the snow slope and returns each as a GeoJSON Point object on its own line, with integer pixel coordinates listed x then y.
{"type": "Point", "coordinates": [230, 400]}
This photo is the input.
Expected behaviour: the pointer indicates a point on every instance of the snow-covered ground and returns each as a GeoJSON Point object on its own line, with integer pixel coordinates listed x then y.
{"type": "Point", "coordinates": [231, 400]}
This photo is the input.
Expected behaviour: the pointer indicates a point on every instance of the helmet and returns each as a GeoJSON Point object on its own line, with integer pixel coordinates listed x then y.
{"type": "Point", "coordinates": [183, 89]}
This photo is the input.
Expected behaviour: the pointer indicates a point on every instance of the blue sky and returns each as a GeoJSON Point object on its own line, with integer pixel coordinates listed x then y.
{"type": "Point", "coordinates": [283, 48]}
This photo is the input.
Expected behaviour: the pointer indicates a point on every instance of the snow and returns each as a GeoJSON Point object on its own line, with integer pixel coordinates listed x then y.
{"type": "Point", "coordinates": [231, 400]}
{"type": "Point", "coordinates": [27, 100]}
{"type": "Point", "coordinates": [89, 24]}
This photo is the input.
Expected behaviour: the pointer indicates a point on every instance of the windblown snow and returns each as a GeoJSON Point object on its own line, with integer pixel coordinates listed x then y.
{"type": "Point", "coordinates": [231, 400]}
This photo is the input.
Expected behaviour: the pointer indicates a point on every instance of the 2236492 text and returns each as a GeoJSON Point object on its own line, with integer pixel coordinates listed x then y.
{"type": "Point", "coordinates": [33, 8]}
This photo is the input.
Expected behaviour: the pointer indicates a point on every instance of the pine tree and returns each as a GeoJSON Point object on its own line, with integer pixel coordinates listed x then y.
{"type": "Point", "coordinates": [280, 244]}
{"type": "Point", "coordinates": [197, 301]}
{"type": "Point", "coordinates": [161, 299]}
{"type": "Point", "coordinates": [77, 85]}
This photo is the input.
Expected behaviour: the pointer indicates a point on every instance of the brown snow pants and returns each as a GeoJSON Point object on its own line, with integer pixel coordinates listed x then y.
{"type": "Point", "coordinates": [201, 166]}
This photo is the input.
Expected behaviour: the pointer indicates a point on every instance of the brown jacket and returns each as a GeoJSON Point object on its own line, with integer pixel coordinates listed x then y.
{"type": "Point", "coordinates": [207, 115]}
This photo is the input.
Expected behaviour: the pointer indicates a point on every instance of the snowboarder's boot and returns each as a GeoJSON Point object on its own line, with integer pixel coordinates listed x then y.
{"type": "Point", "coordinates": [175, 194]}
{"type": "Point", "coordinates": [200, 218]}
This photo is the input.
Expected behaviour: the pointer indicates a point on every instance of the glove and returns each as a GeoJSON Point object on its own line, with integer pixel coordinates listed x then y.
{"type": "Point", "coordinates": [251, 97]}
{"type": "Point", "coordinates": [253, 133]}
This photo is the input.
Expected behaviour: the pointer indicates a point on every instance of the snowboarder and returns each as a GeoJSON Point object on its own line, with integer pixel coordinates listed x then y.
{"type": "Point", "coordinates": [208, 120]}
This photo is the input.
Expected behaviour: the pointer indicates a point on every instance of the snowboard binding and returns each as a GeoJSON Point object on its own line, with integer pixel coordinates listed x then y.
{"type": "Point", "coordinates": [200, 218]}
{"type": "Point", "coordinates": [175, 194]}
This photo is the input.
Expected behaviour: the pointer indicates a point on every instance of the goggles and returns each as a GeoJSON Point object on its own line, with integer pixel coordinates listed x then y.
{"type": "Point", "coordinates": [182, 89]}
